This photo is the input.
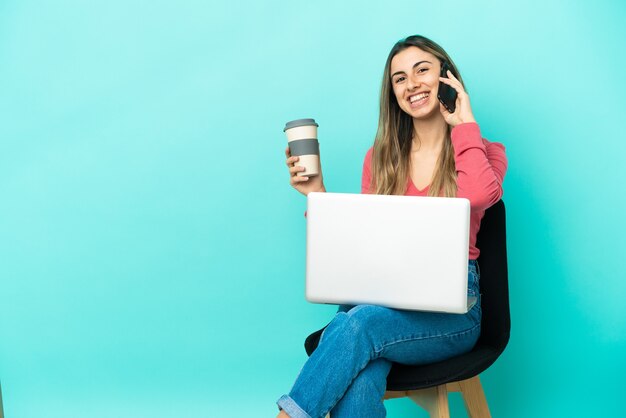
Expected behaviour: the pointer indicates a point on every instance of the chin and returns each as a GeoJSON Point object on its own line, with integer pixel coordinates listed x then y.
{"type": "Point", "coordinates": [421, 113]}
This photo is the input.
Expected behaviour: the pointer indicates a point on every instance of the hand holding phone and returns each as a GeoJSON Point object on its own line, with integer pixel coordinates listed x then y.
{"type": "Point", "coordinates": [446, 93]}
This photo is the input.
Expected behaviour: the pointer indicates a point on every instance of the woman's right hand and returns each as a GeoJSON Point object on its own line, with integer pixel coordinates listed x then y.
{"type": "Point", "coordinates": [304, 185]}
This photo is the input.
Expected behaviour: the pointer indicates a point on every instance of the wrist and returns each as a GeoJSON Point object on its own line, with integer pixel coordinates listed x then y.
{"type": "Point", "coordinates": [322, 189]}
{"type": "Point", "coordinates": [468, 120]}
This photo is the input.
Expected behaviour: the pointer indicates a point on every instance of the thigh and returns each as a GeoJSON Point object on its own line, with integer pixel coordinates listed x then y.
{"type": "Point", "coordinates": [415, 337]}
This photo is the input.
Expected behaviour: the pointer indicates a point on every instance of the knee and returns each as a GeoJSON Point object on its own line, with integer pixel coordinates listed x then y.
{"type": "Point", "coordinates": [364, 317]}
{"type": "Point", "coordinates": [361, 321]}
{"type": "Point", "coordinates": [358, 324]}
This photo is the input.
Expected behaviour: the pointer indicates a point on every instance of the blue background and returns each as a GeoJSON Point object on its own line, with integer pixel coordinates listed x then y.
{"type": "Point", "coordinates": [152, 250]}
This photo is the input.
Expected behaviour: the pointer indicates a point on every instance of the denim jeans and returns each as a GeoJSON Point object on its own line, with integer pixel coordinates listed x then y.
{"type": "Point", "coordinates": [347, 374]}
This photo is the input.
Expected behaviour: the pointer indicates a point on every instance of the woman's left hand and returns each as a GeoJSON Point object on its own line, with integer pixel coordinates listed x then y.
{"type": "Point", "coordinates": [463, 111]}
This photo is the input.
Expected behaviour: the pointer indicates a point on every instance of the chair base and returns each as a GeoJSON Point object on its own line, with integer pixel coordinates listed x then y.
{"type": "Point", "coordinates": [435, 400]}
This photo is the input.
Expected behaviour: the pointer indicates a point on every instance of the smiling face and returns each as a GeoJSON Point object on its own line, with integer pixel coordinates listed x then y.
{"type": "Point", "coordinates": [415, 81]}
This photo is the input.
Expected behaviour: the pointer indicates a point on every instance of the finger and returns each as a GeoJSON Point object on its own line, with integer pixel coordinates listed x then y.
{"type": "Point", "coordinates": [454, 82]}
{"type": "Point", "coordinates": [297, 179]}
{"type": "Point", "coordinates": [457, 87]}
{"type": "Point", "coordinates": [291, 161]}
{"type": "Point", "coordinates": [451, 82]}
{"type": "Point", "coordinates": [450, 79]}
{"type": "Point", "coordinates": [296, 168]}
{"type": "Point", "coordinates": [449, 73]}
{"type": "Point", "coordinates": [454, 79]}
{"type": "Point", "coordinates": [287, 152]}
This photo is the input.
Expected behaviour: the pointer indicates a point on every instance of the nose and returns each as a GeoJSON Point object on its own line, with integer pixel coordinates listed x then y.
{"type": "Point", "coordinates": [412, 82]}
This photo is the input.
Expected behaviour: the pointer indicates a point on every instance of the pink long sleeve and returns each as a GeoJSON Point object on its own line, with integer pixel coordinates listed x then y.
{"type": "Point", "coordinates": [480, 166]}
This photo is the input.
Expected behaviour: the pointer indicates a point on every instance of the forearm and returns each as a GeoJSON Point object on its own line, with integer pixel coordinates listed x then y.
{"type": "Point", "coordinates": [478, 178]}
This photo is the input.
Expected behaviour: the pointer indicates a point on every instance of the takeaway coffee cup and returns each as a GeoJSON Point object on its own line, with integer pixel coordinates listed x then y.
{"type": "Point", "coordinates": [302, 138]}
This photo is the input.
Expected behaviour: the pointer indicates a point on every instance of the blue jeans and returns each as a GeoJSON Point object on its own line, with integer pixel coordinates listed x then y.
{"type": "Point", "coordinates": [347, 374]}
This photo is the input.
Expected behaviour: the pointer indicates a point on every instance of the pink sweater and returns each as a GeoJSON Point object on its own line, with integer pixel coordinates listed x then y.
{"type": "Point", "coordinates": [480, 167]}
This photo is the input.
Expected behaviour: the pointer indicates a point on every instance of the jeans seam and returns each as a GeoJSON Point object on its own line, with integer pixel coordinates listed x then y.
{"type": "Point", "coordinates": [417, 338]}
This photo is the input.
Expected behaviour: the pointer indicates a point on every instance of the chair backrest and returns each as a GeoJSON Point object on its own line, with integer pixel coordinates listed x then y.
{"type": "Point", "coordinates": [494, 282]}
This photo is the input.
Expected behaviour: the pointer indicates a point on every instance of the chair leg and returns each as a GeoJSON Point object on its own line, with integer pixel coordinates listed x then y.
{"type": "Point", "coordinates": [474, 397]}
{"type": "Point", "coordinates": [434, 400]}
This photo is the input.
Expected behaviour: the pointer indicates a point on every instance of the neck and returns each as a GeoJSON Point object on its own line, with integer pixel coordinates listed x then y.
{"type": "Point", "coordinates": [429, 134]}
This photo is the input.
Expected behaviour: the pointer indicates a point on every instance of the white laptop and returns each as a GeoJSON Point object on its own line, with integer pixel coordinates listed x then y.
{"type": "Point", "coordinates": [404, 252]}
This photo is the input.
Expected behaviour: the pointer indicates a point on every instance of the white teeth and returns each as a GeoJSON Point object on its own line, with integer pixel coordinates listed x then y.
{"type": "Point", "coordinates": [418, 97]}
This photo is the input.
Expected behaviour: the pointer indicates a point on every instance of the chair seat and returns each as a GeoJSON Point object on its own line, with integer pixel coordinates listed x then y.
{"type": "Point", "coordinates": [465, 366]}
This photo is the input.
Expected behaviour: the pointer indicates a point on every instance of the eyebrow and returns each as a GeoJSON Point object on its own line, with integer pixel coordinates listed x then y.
{"type": "Point", "coordinates": [414, 65]}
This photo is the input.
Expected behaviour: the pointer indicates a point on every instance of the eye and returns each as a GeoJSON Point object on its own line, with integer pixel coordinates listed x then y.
{"type": "Point", "coordinates": [422, 70]}
{"type": "Point", "coordinates": [399, 79]}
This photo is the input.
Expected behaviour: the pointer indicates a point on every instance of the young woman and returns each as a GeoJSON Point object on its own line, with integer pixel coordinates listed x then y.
{"type": "Point", "coordinates": [421, 149]}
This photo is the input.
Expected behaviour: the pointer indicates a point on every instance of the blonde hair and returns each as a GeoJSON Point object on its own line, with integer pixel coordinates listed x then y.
{"type": "Point", "coordinates": [392, 146]}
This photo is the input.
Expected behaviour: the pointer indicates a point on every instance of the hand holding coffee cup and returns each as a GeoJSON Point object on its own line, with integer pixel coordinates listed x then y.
{"type": "Point", "coordinates": [303, 156]}
{"type": "Point", "coordinates": [304, 185]}
{"type": "Point", "coordinates": [302, 138]}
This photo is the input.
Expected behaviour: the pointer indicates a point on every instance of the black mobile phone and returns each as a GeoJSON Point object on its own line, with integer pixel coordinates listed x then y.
{"type": "Point", "coordinates": [446, 93]}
